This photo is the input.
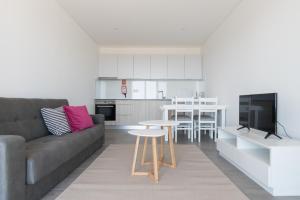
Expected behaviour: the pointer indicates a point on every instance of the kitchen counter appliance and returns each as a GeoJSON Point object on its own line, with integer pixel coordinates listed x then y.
{"type": "Point", "coordinates": [108, 109]}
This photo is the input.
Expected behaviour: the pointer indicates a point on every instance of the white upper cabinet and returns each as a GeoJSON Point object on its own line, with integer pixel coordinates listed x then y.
{"type": "Point", "coordinates": [176, 67]}
{"type": "Point", "coordinates": [125, 66]}
{"type": "Point", "coordinates": [193, 67]}
{"type": "Point", "coordinates": [159, 67]}
{"type": "Point", "coordinates": [108, 65]}
{"type": "Point", "coordinates": [141, 69]}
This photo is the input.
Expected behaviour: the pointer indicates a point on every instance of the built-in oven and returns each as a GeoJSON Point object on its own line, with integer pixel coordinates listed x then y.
{"type": "Point", "coordinates": [108, 109]}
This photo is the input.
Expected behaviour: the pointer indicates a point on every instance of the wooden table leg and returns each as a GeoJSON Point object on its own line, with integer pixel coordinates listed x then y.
{"type": "Point", "coordinates": [162, 147]}
{"type": "Point", "coordinates": [172, 152]}
{"type": "Point", "coordinates": [144, 151]}
{"type": "Point", "coordinates": [155, 161]}
{"type": "Point", "coordinates": [135, 155]}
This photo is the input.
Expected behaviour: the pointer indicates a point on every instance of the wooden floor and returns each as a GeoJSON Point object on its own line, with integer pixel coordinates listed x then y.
{"type": "Point", "coordinates": [195, 178]}
{"type": "Point", "coordinates": [246, 185]}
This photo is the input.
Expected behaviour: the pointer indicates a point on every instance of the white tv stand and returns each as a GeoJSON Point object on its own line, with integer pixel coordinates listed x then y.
{"type": "Point", "coordinates": [272, 163]}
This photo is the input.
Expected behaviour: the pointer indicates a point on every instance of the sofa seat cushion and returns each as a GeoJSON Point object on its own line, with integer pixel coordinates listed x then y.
{"type": "Point", "coordinates": [46, 154]}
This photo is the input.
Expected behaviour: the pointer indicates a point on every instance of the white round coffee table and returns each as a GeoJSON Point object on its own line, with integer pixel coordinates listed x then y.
{"type": "Point", "coordinates": [162, 124]}
{"type": "Point", "coordinates": [151, 133]}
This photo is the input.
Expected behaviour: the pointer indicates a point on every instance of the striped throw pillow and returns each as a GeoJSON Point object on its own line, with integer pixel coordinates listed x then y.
{"type": "Point", "coordinates": [56, 121]}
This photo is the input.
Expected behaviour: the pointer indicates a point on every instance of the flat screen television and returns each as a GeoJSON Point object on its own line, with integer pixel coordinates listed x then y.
{"type": "Point", "coordinates": [259, 111]}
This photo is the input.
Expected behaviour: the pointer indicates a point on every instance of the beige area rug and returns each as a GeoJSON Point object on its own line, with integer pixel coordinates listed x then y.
{"type": "Point", "coordinates": [195, 178]}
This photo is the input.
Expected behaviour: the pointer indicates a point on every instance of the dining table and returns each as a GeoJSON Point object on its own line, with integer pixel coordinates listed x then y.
{"type": "Point", "coordinates": [172, 107]}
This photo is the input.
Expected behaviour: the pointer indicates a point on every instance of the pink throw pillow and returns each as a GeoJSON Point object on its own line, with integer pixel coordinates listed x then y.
{"type": "Point", "coordinates": [78, 118]}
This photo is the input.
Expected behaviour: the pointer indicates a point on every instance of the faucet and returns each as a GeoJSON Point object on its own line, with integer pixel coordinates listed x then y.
{"type": "Point", "coordinates": [162, 94]}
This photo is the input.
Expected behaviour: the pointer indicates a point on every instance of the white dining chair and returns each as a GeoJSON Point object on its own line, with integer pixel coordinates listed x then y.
{"type": "Point", "coordinates": [184, 116]}
{"type": "Point", "coordinates": [206, 118]}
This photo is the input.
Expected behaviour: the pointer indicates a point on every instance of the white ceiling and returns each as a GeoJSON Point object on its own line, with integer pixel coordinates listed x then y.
{"type": "Point", "coordinates": [149, 22]}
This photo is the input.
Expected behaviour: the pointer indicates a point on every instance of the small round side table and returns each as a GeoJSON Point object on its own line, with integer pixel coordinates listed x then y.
{"type": "Point", "coordinates": [162, 124]}
{"type": "Point", "coordinates": [147, 133]}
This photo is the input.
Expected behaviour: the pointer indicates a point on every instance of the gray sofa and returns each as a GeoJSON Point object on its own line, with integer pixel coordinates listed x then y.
{"type": "Point", "coordinates": [32, 161]}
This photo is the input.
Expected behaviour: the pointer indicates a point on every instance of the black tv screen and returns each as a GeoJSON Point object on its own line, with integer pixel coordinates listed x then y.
{"type": "Point", "coordinates": [259, 111]}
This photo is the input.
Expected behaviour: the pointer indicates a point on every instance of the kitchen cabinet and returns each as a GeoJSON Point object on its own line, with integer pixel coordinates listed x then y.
{"type": "Point", "coordinates": [125, 66]}
{"type": "Point", "coordinates": [153, 109]}
{"type": "Point", "coordinates": [193, 67]}
{"type": "Point", "coordinates": [124, 110]}
{"type": "Point", "coordinates": [139, 112]}
{"type": "Point", "coordinates": [176, 67]}
{"type": "Point", "coordinates": [141, 67]}
{"type": "Point", "coordinates": [108, 65]}
{"type": "Point", "coordinates": [131, 112]}
{"type": "Point", "coordinates": [159, 67]}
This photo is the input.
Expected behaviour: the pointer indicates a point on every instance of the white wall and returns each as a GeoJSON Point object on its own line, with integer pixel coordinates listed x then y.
{"type": "Point", "coordinates": [44, 53]}
{"type": "Point", "coordinates": [257, 50]}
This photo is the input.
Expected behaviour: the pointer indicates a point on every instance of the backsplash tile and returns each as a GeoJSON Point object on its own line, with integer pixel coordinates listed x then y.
{"type": "Point", "coordinates": [144, 89]}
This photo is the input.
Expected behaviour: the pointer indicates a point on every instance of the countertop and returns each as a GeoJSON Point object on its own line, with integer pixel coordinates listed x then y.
{"type": "Point", "coordinates": [133, 100]}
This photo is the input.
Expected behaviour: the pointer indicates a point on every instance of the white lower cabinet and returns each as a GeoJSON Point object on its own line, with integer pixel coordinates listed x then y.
{"type": "Point", "coordinates": [131, 112]}
{"type": "Point", "coordinates": [139, 111]}
{"type": "Point", "coordinates": [273, 164]}
{"type": "Point", "coordinates": [153, 110]}
{"type": "Point", "coordinates": [123, 112]}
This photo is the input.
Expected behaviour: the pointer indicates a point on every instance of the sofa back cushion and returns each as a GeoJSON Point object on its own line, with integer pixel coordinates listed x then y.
{"type": "Point", "coordinates": [23, 116]}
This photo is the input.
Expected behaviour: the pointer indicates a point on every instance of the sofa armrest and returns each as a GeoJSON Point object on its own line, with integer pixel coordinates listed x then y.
{"type": "Point", "coordinates": [98, 119]}
{"type": "Point", "coordinates": [12, 167]}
